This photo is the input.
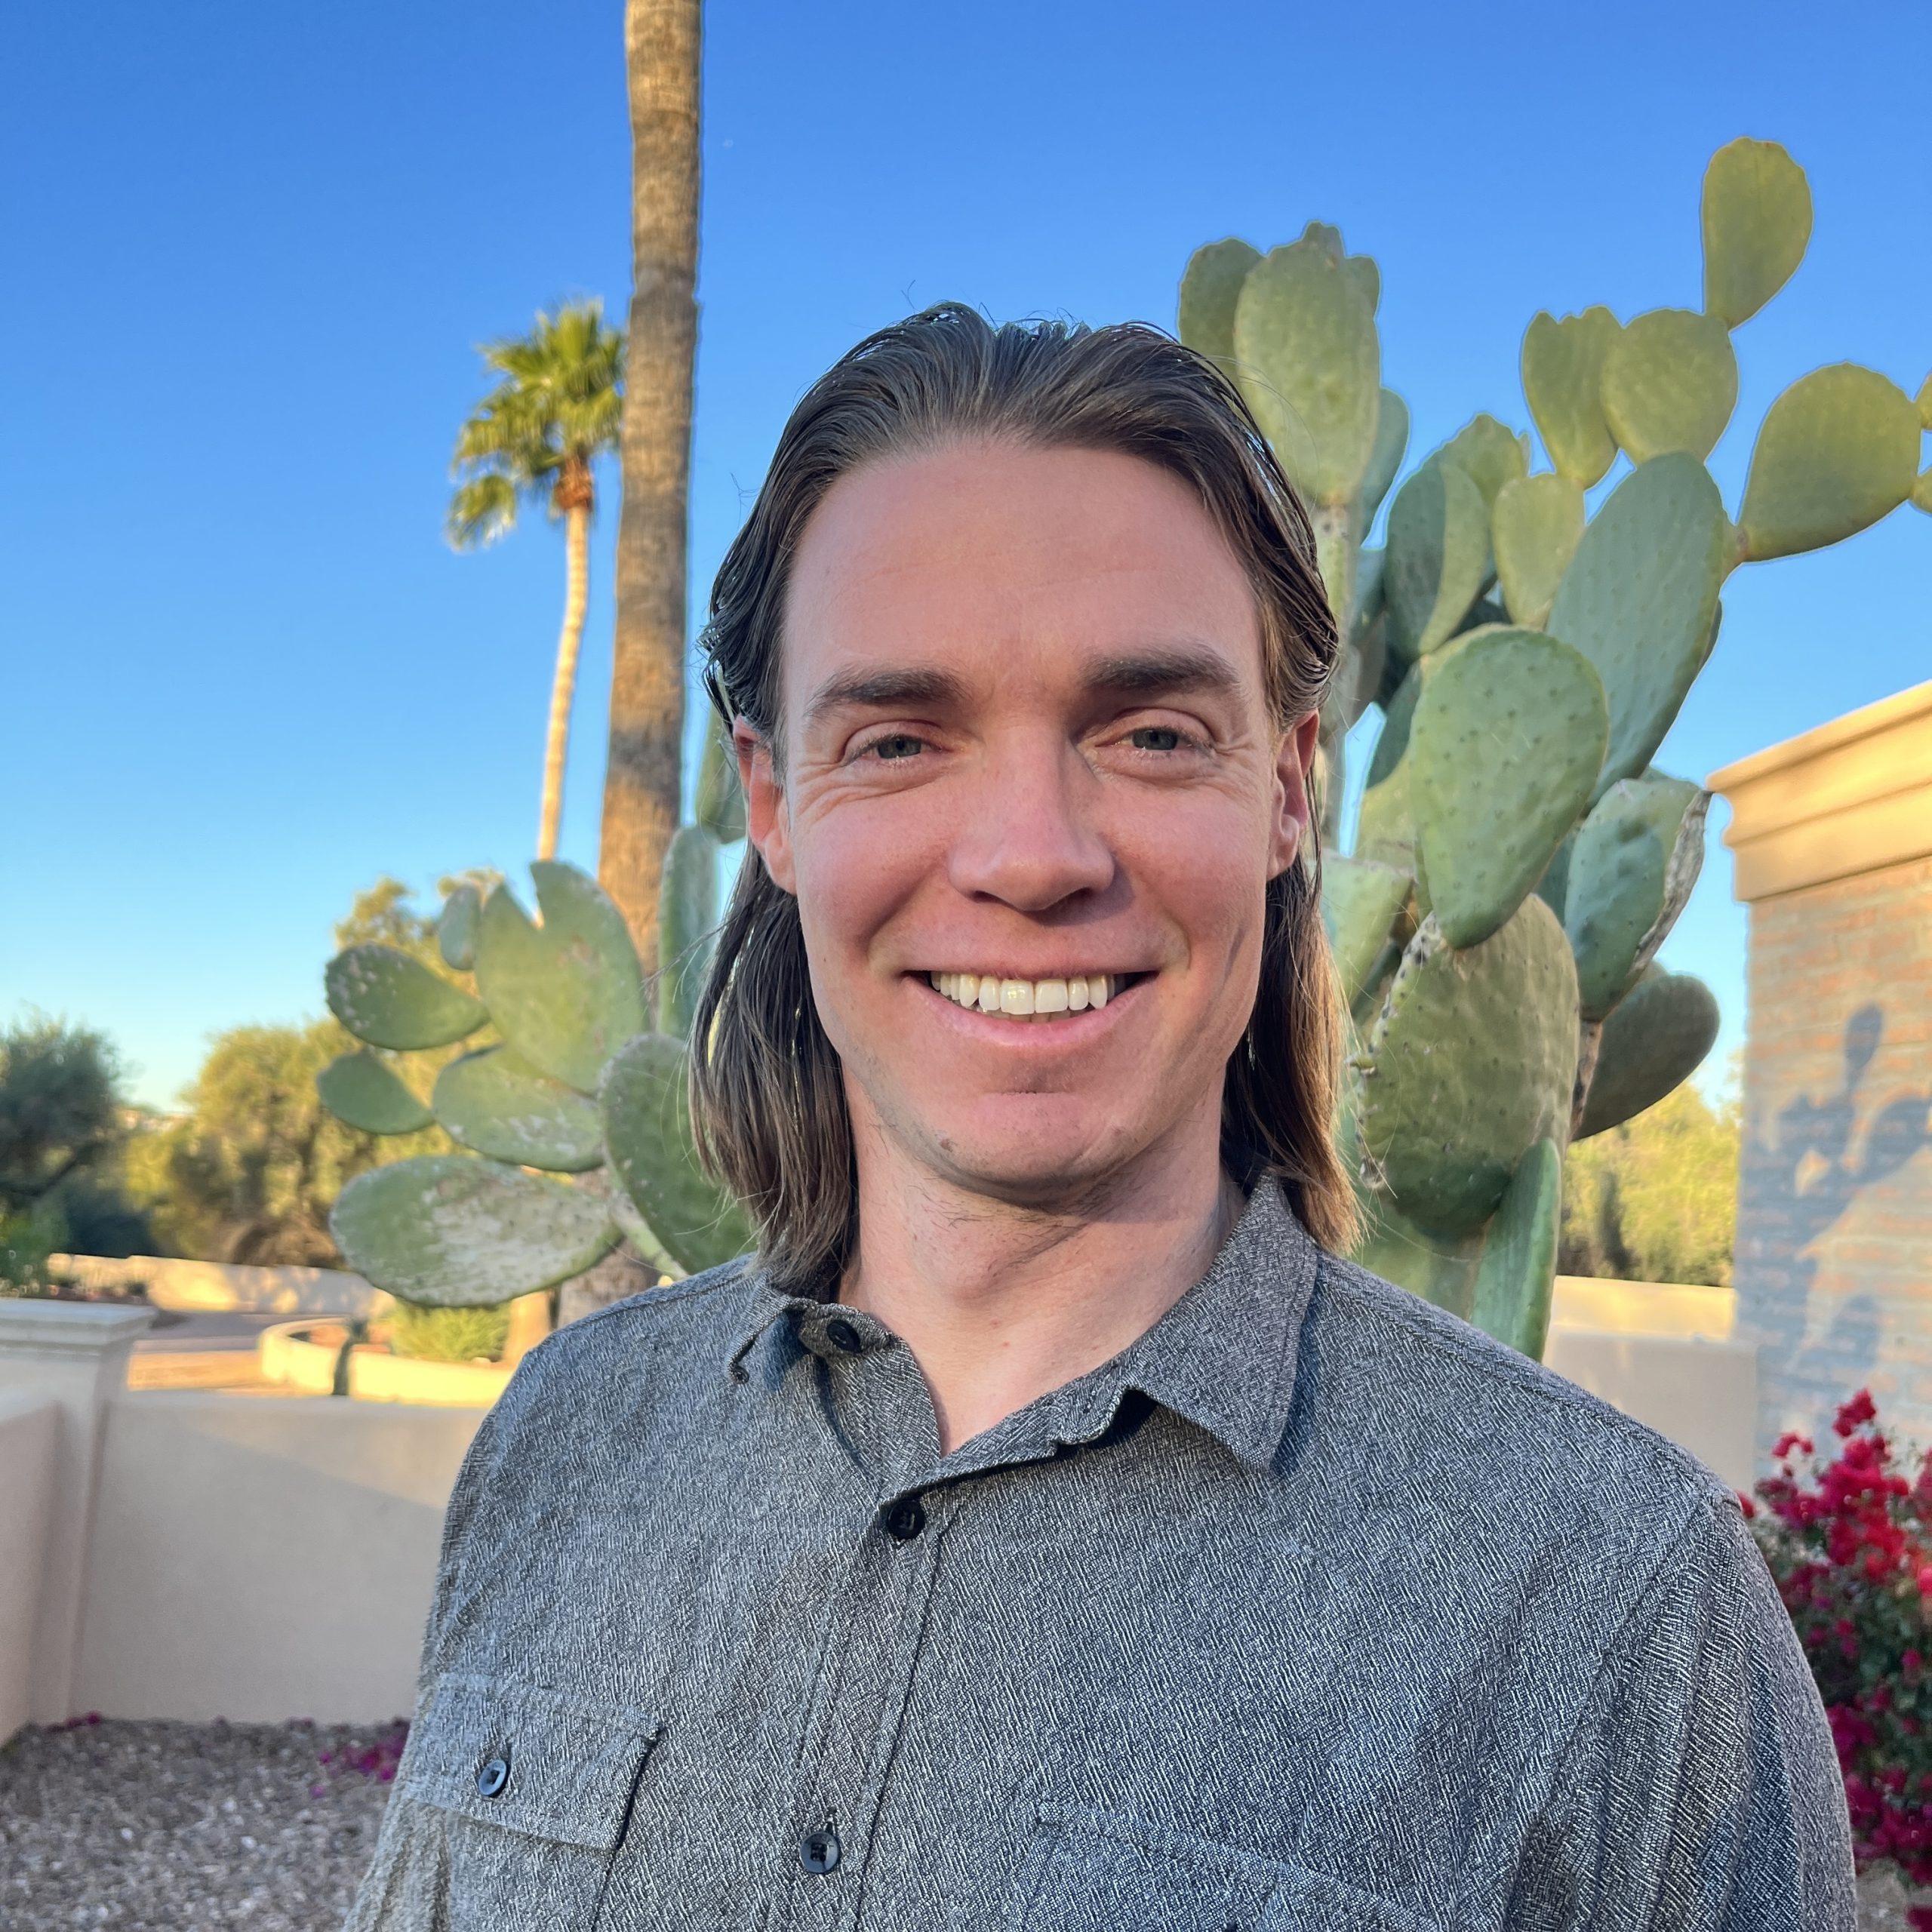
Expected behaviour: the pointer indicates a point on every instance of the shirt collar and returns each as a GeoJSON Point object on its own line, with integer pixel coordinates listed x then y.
{"type": "Point", "coordinates": [1223, 1357]}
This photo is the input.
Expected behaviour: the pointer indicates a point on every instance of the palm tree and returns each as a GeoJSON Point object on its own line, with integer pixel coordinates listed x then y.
{"type": "Point", "coordinates": [642, 779]}
{"type": "Point", "coordinates": [538, 434]}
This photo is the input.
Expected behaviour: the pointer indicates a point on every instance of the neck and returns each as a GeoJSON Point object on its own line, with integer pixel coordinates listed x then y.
{"type": "Point", "coordinates": [1001, 1304]}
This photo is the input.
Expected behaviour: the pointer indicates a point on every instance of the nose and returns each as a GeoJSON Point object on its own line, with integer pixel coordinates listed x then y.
{"type": "Point", "coordinates": [1027, 835]}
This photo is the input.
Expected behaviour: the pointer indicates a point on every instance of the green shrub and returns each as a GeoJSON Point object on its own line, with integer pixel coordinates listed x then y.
{"type": "Point", "coordinates": [449, 1334]}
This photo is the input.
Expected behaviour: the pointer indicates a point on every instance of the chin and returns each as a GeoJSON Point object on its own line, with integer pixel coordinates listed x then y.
{"type": "Point", "coordinates": [1068, 1149]}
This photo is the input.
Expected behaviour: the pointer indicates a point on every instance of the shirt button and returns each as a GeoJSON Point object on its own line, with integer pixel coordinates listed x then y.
{"type": "Point", "coordinates": [843, 1336]}
{"type": "Point", "coordinates": [818, 1851]}
{"type": "Point", "coordinates": [906, 1519]}
{"type": "Point", "coordinates": [491, 1775]}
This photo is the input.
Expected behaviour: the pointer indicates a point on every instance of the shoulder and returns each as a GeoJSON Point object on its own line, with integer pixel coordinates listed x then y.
{"type": "Point", "coordinates": [1478, 1457]}
{"type": "Point", "coordinates": [629, 1350]}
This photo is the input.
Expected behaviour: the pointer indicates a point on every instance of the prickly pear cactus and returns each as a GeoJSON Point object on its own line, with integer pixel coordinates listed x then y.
{"type": "Point", "coordinates": [577, 1084]}
{"type": "Point", "coordinates": [1517, 860]}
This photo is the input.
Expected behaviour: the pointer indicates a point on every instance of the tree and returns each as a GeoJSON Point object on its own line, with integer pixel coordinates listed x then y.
{"type": "Point", "coordinates": [1655, 1197]}
{"type": "Point", "coordinates": [642, 781]}
{"type": "Point", "coordinates": [538, 434]}
{"type": "Point", "coordinates": [248, 1171]}
{"type": "Point", "coordinates": [63, 1120]}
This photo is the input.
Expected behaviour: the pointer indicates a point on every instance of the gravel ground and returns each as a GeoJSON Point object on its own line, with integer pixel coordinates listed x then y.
{"type": "Point", "coordinates": [155, 1827]}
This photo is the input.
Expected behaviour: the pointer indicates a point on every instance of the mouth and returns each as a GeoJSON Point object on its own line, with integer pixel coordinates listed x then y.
{"type": "Point", "coordinates": [1033, 1002]}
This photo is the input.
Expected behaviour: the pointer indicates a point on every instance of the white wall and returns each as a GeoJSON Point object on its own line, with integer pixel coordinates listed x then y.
{"type": "Point", "coordinates": [202, 1287]}
{"type": "Point", "coordinates": [257, 1557]}
{"type": "Point", "coordinates": [29, 1434]}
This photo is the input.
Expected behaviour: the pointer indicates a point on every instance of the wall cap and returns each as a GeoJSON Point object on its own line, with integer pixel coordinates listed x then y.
{"type": "Point", "coordinates": [30, 1326]}
{"type": "Point", "coordinates": [1852, 796]}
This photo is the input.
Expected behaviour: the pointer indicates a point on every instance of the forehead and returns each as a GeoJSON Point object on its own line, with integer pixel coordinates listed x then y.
{"type": "Point", "coordinates": [985, 548]}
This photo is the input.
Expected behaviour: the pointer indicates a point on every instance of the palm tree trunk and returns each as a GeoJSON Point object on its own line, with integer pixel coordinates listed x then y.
{"type": "Point", "coordinates": [563, 685]}
{"type": "Point", "coordinates": [643, 780]}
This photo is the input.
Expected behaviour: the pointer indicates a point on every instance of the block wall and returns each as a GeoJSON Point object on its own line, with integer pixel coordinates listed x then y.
{"type": "Point", "coordinates": [1834, 1260]}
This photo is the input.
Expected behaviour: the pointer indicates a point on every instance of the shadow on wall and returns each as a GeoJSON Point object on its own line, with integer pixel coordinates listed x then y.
{"type": "Point", "coordinates": [1799, 1190]}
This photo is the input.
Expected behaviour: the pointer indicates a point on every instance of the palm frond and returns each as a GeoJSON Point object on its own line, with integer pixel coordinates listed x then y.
{"type": "Point", "coordinates": [482, 509]}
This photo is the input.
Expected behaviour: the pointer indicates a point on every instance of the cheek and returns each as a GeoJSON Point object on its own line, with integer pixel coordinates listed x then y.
{"type": "Point", "coordinates": [852, 873]}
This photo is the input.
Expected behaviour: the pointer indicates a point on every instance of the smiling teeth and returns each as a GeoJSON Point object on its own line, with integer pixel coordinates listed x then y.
{"type": "Point", "coordinates": [1028, 999]}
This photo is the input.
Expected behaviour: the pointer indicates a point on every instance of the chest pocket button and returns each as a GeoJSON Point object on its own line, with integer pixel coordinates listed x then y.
{"type": "Point", "coordinates": [491, 1777]}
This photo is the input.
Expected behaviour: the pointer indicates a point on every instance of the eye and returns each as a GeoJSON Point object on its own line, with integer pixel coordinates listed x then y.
{"type": "Point", "coordinates": [1157, 738]}
{"type": "Point", "coordinates": [895, 745]}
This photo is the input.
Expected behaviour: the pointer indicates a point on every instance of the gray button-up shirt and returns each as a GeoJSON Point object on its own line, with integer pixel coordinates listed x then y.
{"type": "Point", "coordinates": [1313, 1609]}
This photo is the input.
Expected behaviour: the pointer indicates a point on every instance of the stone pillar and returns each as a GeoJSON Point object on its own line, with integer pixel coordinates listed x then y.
{"type": "Point", "coordinates": [1832, 833]}
{"type": "Point", "coordinates": [75, 1353]}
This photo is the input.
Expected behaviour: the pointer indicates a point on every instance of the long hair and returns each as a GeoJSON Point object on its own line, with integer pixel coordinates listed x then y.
{"type": "Point", "coordinates": [767, 1097]}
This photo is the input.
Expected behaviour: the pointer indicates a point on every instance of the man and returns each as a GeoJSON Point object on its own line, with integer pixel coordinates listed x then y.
{"type": "Point", "coordinates": [1046, 1529]}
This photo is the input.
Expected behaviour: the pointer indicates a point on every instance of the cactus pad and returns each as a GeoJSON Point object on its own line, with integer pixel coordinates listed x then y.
{"type": "Point", "coordinates": [1391, 439]}
{"type": "Point", "coordinates": [1562, 382]}
{"type": "Point", "coordinates": [451, 1231]}
{"type": "Point", "coordinates": [1757, 222]}
{"type": "Point", "coordinates": [720, 799]}
{"type": "Point", "coordinates": [1208, 293]}
{"type": "Point", "coordinates": [1656, 1037]}
{"type": "Point", "coordinates": [1386, 825]}
{"type": "Point", "coordinates": [1440, 1268]}
{"type": "Point", "coordinates": [687, 924]}
{"type": "Point", "coordinates": [388, 998]}
{"type": "Point", "coordinates": [456, 930]}
{"type": "Point", "coordinates": [496, 1103]}
{"type": "Point", "coordinates": [1517, 1272]}
{"type": "Point", "coordinates": [1359, 901]}
{"type": "Point", "coordinates": [1489, 455]}
{"type": "Point", "coordinates": [1639, 598]}
{"type": "Point", "coordinates": [647, 1138]}
{"type": "Point", "coordinates": [1308, 361]}
{"type": "Point", "coordinates": [1837, 451]}
{"type": "Point", "coordinates": [566, 993]}
{"type": "Point", "coordinates": [1670, 383]}
{"type": "Point", "coordinates": [1636, 857]}
{"type": "Point", "coordinates": [1505, 747]}
{"type": "Point", "coordinates": [364, 1092]}
{"type": "Point", "coordinates": [1535, 525]}
{"type": "Point", "coordinates": [1470, 1063]}
{"type": "Point", "coordinates": [1438, 556]}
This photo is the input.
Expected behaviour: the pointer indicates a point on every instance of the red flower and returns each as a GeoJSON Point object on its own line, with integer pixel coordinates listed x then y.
{"type": "Point", "coordinates": [1856, 1413]}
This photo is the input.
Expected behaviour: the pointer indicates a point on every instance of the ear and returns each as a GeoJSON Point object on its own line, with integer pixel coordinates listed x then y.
{"type": "Point", "coordinates": [1294, 758]}
{"type": "Point", "coordinates": [768, 824]}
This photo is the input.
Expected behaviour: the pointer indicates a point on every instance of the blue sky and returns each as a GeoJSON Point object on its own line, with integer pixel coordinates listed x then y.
{"type": "Point", "coordinates": [250, 250]}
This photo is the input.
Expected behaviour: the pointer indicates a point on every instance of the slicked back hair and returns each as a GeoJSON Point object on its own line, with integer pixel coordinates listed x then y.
{"type": "Point", "coordinates": [768, 1094]}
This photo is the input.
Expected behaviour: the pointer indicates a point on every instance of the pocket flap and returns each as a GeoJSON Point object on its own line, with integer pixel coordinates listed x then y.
{"type": "Point", "coordinates": [518, 1756]}
{"type": "Point", "coordinates": [1094, 1872]}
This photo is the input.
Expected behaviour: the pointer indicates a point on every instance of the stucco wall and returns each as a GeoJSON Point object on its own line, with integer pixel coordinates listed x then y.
{"type": "Point", "coordinates": [264, 1557]}
{"type": "Point", "coordinates": [30, 1424]}
{"type": "Point", "coordinates": [1833, 1261]}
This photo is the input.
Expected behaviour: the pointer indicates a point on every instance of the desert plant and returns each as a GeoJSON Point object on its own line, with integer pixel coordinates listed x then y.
{"type": "Point", "coordinates": [448, 1334]}
{"type": "Point", "coordinates": [1517, 861]}
{"type": "Point", "coordinates": [1849, 1543]}
{"type": "Point", "coordinates": [538, 434]}
{"type": "Point", "coordinates": [575, 1128]}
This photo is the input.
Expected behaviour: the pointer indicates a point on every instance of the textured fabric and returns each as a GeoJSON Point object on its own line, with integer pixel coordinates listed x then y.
{"type": "Point", "coordinates": [1313, 1609]}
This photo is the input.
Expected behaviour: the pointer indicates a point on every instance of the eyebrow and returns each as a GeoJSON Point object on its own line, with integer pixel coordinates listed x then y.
{"type": "Point", "coordinates": [1159, 672]}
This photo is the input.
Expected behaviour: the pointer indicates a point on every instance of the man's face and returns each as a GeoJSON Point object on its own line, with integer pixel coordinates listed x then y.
{"type": "Point", "coordinates": [1025, 739]}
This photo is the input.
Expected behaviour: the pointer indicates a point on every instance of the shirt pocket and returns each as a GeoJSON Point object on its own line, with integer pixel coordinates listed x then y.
{"type": "Point", "coordinates": [525, 1792]}
{"type": "Point", "coordinates": [1094, 1871]}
